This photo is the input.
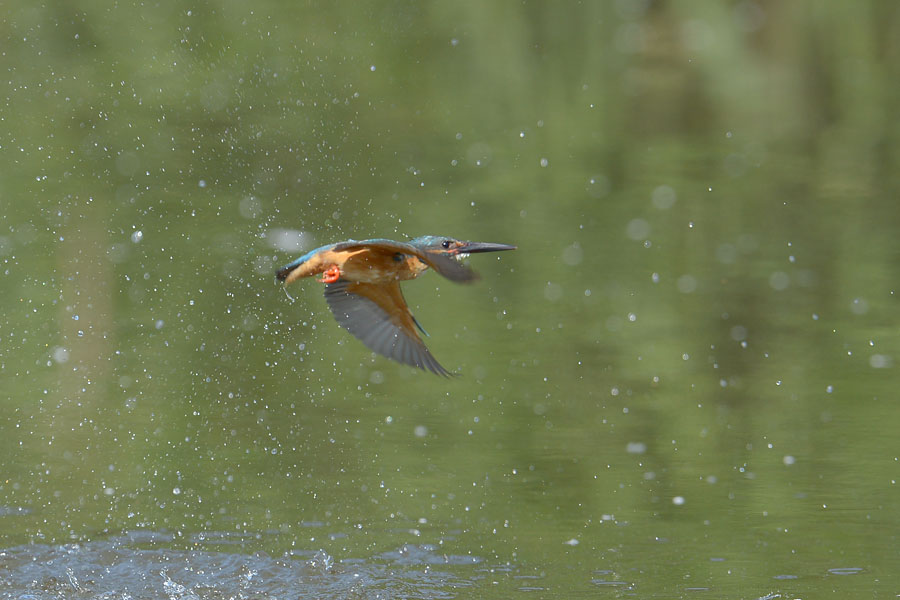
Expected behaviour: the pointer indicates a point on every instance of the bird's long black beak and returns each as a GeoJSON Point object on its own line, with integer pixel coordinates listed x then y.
{"type": "Point", "coordinates": [475, 247]}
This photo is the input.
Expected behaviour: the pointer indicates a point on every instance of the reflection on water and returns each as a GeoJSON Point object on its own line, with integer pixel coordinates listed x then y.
{"type": "Point", "coordinates": [681, 383]}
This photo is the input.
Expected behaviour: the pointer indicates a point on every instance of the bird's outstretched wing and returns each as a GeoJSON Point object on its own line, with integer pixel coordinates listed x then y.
{"type": "Point", "coordinates": [378, 315]}
{"type": "Point", "coordinates": [447, 266]}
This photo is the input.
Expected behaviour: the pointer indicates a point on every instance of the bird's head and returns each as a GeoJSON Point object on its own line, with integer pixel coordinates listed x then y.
{"type": "Point", "coordinates": [448, 246]}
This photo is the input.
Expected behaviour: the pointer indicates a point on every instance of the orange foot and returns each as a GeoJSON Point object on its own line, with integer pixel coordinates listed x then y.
{"type": "Point", "coordinates": [332, 274]}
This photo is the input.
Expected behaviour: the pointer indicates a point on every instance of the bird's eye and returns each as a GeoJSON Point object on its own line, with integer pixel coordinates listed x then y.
{"type": "Point", "coordinates": [445, 243]}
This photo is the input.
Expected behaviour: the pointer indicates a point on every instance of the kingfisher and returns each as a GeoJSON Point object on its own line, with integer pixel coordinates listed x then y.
{"type": "Point", "coordinates": [362, 288]}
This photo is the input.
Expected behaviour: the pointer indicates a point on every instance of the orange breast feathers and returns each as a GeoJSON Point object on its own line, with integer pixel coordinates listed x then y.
{"type": "Point", "coordinates": [367, 265]}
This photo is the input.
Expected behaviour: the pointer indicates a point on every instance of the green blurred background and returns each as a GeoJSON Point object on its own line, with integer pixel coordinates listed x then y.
{"type": "Point", "coordinates": [684, 378]}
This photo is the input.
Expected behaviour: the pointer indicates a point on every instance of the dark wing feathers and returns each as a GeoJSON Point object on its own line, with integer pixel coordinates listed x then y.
{"type": "Point", "coordinates": [379, 317]}
{"type": "Point", "coordinates": [448, 266]}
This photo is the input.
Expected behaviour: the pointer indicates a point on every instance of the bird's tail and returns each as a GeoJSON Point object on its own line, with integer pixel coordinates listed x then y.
{"type": "Point", "coordinates": [284, 271]}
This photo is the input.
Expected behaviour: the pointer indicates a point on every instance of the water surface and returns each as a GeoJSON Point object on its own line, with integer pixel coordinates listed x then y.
{"type": "Point", "coordinates": [681, 384]}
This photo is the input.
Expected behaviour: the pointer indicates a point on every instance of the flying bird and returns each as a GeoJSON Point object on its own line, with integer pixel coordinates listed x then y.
{"type": "Point", "coordinates": [362, 288]}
